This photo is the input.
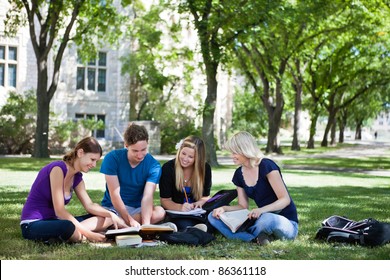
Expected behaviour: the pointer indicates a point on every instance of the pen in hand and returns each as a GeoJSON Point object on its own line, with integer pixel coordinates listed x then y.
{"type": "Point", "coordinates": [185, 194]}
{"type": "Point", "coordinates": [187, 204]}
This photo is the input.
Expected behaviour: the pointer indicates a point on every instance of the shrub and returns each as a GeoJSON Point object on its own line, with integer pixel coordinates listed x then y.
{"type": "Point", "coordinates": [17, 123]}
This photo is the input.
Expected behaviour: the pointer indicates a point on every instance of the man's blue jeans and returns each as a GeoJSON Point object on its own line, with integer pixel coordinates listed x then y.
{"type": "Point", "coordinates": [269, 223]}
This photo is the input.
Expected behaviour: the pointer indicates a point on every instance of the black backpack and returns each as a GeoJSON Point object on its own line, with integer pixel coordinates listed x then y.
{"type": "Point", "coordinates": [367, 232]}
{"type": "Point", "coordinates": [221, 198]}
{"type": "Point", "coordinates": [191, 236]}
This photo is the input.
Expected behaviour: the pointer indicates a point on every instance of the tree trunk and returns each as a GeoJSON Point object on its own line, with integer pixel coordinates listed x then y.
{"type": "Point", "coordinates": [273, 144]}
{"type": "Point", "coordinates": [211, 54]}
{"type": "Point", "coordinates": [358, 132]}
{"type": "Point", "coordinates": [297, 117]}
{"type": "Point", "coordinates": [133, 114]}
{"type": "Point", "coordinates": [208, 115]}
{"type": "Point", "coordinates": [43, 108]}
{"type": "Point", "coordinates": [342, 125]}
{"type": "Point", "coordinates": [333, 132]}
{"type": "Point", "coordinates": [313, 127]}
{"type": "Point", "coordinates": [324, 142]}
{"type": "Point", "coordinates": [331, 118]}
{"type": "Point", "coordinates": [341, 134]}
{"type": "Point", "coordinates": [274, 120]}
{"type": "Point", "coordinates": [298, 86]}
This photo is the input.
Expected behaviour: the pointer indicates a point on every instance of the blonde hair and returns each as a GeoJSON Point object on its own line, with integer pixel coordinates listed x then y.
{"type": "Point", "coordinates": [198, 175]}
{"type": "Point", "coordinates": [243, 143]}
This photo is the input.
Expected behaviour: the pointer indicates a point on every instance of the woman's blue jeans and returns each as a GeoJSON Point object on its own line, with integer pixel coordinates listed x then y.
{"type": "Point", "coordinates": [50, 231]}
{"type": "Point", "coordinates": [269, 223]}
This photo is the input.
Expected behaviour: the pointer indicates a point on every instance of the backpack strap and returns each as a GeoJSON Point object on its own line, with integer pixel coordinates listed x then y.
{"type": "Point", "coordinates": [343, 236]}
{"type": "Point", "coordinates": [337, 236]}
{"type": "Point", "coordinates": [361, 238]}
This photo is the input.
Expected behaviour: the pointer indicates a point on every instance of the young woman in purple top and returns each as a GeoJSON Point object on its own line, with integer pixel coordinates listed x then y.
{"type": "Point", "coordinates": [260, 179]}
{"type": "Point", "coordinates": [44, 216]}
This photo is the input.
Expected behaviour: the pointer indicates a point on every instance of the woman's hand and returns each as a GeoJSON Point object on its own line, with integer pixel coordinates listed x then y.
{"type": "Point", "coordinates": [187, 207]}
{"type": "Point", "coordinates": [218, 211]}
{"type": "Point", "coordinates": [95, 237]}
{"type": "Point", "coordinates": [198, 204]}
{"type": "Point", "coordinates": [254, 214]}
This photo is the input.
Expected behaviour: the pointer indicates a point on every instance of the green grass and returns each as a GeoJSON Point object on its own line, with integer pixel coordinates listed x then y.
{"type": "Point", "coordinates": [378, 163]}
{"type": "Point", "coordinates": [30, 164]}
{"type": "Point", "coordinates": [317, 194]}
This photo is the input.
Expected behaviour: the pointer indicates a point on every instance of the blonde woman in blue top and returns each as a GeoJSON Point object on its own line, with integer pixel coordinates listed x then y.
{"type": "Point", "coordinates": [260, 179]}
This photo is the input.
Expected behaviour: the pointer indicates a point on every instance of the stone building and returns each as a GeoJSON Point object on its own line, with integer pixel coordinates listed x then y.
{"type": "Point", "coordinates": [94, 90]}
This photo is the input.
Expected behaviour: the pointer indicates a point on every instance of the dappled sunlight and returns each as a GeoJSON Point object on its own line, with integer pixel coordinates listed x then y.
{"type": "Point", "coordinates": [332, 179]}
{"type": "Point", "coordinates": [340, 163]}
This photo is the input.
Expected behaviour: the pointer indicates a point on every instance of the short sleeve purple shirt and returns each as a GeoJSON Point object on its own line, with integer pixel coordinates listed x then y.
{"type": "Point", "coordinates": [39, 203]}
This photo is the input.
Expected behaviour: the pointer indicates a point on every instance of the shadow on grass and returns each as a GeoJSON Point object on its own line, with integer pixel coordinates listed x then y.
{"type": "Point", "coordinates": [313, 204]}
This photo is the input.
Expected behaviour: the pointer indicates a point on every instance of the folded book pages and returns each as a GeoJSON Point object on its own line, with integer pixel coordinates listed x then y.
{"type": "Point", "coordinates": [237, 220]}
{"type": "Point", "coordinates": [128, 240]}
{"type": "Point", "coordinates": [195, 212]}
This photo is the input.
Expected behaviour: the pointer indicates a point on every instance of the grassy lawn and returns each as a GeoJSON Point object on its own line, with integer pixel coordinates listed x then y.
{"type": "Point", "coordinates": [317, 194]}
{"type": "Point", "coordinates": [340, 163]}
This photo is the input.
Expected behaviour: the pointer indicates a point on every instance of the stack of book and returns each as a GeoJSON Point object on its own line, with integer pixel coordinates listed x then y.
{"type": "Point", "coordinates": [134, 236]}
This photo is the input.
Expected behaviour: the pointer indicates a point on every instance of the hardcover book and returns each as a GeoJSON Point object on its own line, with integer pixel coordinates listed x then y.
{"type": "Point", "coordinates": [145, 231]}
{"type": "Point", "coordinates": [128, 240]}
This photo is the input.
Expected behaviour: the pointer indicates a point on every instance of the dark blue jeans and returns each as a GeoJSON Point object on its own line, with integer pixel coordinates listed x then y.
{"type": "Point", "coordinates": [50, 231]}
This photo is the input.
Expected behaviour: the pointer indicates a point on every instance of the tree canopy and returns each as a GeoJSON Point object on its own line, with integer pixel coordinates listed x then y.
{"type": "Point", "coordinates": [52, 25]}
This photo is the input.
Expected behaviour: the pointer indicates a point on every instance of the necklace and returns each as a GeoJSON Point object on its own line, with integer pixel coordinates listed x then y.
{"type": "Point", "coordinates": [187, 174]}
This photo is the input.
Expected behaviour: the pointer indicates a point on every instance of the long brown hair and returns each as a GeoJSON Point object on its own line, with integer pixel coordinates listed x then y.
{"type": "Point", "coordinates": [198, 175]}
{"type": "Point", "coordinates": [88, 144]}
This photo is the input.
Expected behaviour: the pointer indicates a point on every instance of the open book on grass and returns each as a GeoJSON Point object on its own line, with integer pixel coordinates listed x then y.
{"type": "Point", "coordinates": [144, 231]}
{"type": "Point", "coordinates": [237, 220]}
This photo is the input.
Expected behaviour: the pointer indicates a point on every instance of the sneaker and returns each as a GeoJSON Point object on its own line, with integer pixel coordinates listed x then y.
{"type": "Point", "coordinates": [263, 239]}
{"type": "Point", "coordinates": [171, 225]}
{"type": "Point", "coordinates": [202, 227]}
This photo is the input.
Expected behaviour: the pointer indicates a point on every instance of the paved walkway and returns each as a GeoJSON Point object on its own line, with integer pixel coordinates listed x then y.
{"type": "Point", "coordinates": [362, 149]}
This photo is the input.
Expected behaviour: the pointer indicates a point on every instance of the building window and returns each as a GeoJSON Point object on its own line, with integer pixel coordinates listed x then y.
{"type": "Point", "coordinates": [2, 74]}
{"type": "Point", "coordinates": [93, 75]}
{"type": "Point", "coordinates": [97, 133]}
{"type": "Point", "coordinates": [80, 78]}
{"type": "Point", "coordinates": [8, 66]}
